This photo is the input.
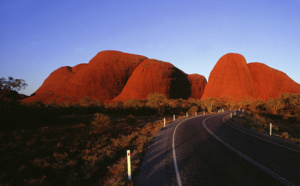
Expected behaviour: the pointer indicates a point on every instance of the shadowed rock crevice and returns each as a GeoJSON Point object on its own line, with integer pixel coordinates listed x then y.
{"type": "Point", "coordinates": [180, 85]}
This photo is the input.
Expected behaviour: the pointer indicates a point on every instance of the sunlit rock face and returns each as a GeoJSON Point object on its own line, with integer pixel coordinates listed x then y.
{"type": "Point", "coordinates": [271, 83]}
{"type": "Point", "coordinates": [233, 79]}
{"type": "Point", "coordinates": [156, 77]}
{"type": "Point", "coordinates": [230, 79]}
{"type": "Point", "coordinates": [118, 76]}
{"type": "Point", "coordinates": [104, 77]}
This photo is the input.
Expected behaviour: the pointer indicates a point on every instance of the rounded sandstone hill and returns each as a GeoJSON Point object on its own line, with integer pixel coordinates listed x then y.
{"type": "Point", "coordinates": [156, 77]}
{"type": "Point", "coordinates": [230, 79]}
{"type": "Point", "coordinates": [271, 83]}
{"type": "Point", "coordinates": [198, 83]}
{"type": "Point", "coordinates": [103, 78]}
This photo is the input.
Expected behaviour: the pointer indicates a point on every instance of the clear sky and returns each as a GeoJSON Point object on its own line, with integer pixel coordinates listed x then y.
{"type": "Point", "coordinates": [39, 36]}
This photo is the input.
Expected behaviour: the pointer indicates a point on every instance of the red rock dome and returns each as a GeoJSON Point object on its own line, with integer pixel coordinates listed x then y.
{"type": "Point", "coordinates": [154, 76]}
{"type": "Point", "coordinates": [230, 79]}
{"type": "Point", "coordinates": [271, 83]}
{"type": "Point", "coordinates": [103, 78]}
{"type": "Point", "coordinates": [198, 83]}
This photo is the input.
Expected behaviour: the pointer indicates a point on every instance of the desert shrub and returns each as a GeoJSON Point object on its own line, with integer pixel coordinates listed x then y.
{"type": "Point", "coordinates": [273, 105]}
{"type": "Point", "coordinates": [86, 101]}
{"type": "Point", "coordinates": [51, 103]}
{"type": "Point", "coordinates": [101, 122]}
{"type": "Point", "coordinates": [291, 104]}
{"type": "Point", "coordinates": [285, 135]}
{"type": "Point", "coordinates": [192, 110]}
{"type": "Point", "coordinates": [157, 102]}
{"type": "Point", "coordinates": [256, 106]}
{"type": "Point", "coordinates": [131, 120]}
{"type": "Point", "coordinates": [98, 103]}
{"type": "Point", "coordinates": [116, 107]}
{"type": "Point", "coordinates": [209, 104]}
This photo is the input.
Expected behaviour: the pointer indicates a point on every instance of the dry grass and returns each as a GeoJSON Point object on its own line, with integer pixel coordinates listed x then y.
{"type": "Point", "coordinates": [282, 126]}
{"type": "Point", "coordinates": [76, 154]}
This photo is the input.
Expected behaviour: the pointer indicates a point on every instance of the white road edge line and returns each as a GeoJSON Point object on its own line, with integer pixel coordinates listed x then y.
{"type": "Point", "coordinates": [260, 137]}
{"type": "Point", "coordinates": [174, 152]}
{"type": "Point", "coordinates": [268, 171]}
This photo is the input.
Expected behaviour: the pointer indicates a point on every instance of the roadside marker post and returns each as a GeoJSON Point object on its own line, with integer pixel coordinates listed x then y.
{"type": "Point", "coordinates": [195, 113]}
{"type": "Point", "coordinates": [234, 112]}
{"type": "Point", "coordinates": [173, 117]}
{"type": "Point", "coordinates": [164, 122]}
{"type": "Point", "coordinates": [203, 112]}
{"type": "Point", "coordinates": [129, 165]}
{"type": "Point", "coordinates": [230, 115]}
{"type": "Point", "coordinates": [187, 114]}
{"type": "Point", "coordinates": [270, 129]}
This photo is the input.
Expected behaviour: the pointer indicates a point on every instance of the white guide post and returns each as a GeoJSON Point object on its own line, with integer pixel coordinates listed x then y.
{"type": "Point", "coordinates": [187, 114]}
{"type": "Point", "coordinates": [195, 113]}
{"type": "Point", "coordinates": [129, 165]}
{"type": "Point", "coordinates": [164, 122]}
{"type": "Point", "coordinates": [270, 129]}
{"type": "Point", "coordinates": [230, 115]}
{"type": "Point", "coordinates": [173, 117]}
{"type": "Point", "coordinates": [203, 112]}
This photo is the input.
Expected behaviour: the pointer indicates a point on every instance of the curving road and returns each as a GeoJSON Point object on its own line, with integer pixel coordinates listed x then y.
{"type": "Point", "coordinates": [210, 150]}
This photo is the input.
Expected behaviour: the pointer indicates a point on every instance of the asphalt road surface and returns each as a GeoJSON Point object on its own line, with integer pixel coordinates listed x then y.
{"type": "Point", "coordinates": [211, 150]}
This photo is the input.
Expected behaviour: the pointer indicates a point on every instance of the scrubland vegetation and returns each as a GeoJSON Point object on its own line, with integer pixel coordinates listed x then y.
{"type": "Point", "coordinates": [283, 113]}
{"type": "Point", "coordinates": [81, 143]}
{"type": "Point", "coordinates": [86, 142]}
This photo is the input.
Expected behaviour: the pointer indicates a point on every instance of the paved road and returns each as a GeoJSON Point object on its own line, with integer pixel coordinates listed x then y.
{"type": "Point", "coordinates": [210, 150]}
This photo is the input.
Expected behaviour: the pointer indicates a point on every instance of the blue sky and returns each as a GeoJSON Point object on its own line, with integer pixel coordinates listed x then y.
{"type": "Point", "coordinates": [39, 36]}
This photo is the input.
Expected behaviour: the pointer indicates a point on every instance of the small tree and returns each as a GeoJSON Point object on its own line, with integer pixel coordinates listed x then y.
{"type": "Point", "coordinates": [9, 91]}
{"type": "Point", "coordinates": [274, 105]}
{"type": "Point", "coordinates": [209, 103]}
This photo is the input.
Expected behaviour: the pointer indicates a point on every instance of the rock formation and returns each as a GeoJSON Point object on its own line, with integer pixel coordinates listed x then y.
{"type": "Point", "coordinates": [104, 77]}
{"type": "Point", "coordinates": [230, 79]}
{"type": "Point", "coordinates": [118, 76]}
{"type": "Point", "coordinates": [113, 74]}
{"type": "Point", "coordinates": [198, 83]}
{"type": "Point", "coordinates": [233, 79]}
{"type": "Point", "coordinates": [271, 83]}
{"type": "Point", "coordinates": [153, 76]}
